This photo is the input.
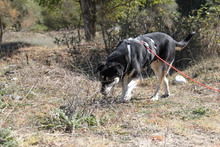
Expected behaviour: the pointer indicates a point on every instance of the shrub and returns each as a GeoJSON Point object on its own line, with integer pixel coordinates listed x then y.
{"type": "Point", "coordinates": [29, 13]}
{"type": "Point", "coordinates": [206, 41]}
{"type": "Point", "coordinates": [39, 28]}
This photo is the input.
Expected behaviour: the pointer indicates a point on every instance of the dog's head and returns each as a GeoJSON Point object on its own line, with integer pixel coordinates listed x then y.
{"type": "Point", "coordinates": [110, 74]}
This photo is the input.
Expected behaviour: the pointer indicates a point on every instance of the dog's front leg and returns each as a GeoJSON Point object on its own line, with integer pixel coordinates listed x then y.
{"type": "Point", "coordinates": [124, 86]}
{"type": "Point", "coordinates": [127, 88]}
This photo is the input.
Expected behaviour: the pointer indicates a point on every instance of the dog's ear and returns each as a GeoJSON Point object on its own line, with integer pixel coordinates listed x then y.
{"type": "Point", "coordinates": [119, 67]}
{"type": "Point", "coordinates": [120, 70]}
{"type": "Point", "coordinates": [108, 65]}
{"type": "Point", "coordinates": [111, 64]}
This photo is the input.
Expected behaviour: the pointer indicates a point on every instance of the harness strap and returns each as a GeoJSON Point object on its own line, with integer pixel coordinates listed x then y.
{"type": "Point", "coordinates": [146, 45]}
{"type": "Point", "coordinates": [129, 55]}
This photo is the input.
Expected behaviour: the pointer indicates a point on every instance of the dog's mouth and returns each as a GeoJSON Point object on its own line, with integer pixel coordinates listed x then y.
{"type": "Point", "coordinates": [103, 90]}
{"type": "Point", "coordinates": [104, 93]}
{"type": "Point", "coordinates": [107, 86]}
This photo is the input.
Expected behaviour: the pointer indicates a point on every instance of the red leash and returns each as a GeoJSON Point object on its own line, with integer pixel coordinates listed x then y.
{"type": "Point", "coordinates": [180, 71]}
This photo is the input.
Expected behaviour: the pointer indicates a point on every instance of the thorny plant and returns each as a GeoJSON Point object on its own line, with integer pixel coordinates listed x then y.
{"type": "Point", "coordinates": [76, 111]}
{"type": "Point", "coordinates": [71, 40]}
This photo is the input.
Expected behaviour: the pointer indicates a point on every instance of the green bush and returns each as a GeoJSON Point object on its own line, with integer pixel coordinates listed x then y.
{"type": "Point", "coordinates": [38, 28]}
{"type": "Point", "coordinates": [29, 13]}
{"type": "Point", "coordinates": [64, 15]}
{"type": "Point", "coordinates": [205, 22]}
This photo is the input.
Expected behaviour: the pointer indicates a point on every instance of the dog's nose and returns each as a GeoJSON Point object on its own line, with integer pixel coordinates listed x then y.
{"type": "Point", "coordinates": [103, 91]}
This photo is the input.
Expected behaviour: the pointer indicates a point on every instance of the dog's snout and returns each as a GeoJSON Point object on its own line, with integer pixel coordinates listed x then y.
{"type": "Point", "coordinates": [102, 91]}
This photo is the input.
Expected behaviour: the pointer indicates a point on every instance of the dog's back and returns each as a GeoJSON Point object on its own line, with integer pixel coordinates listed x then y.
{"type": "Point", "coordinates": [162, 39]}
{"type": "Point", "coordinates": [166, 45]}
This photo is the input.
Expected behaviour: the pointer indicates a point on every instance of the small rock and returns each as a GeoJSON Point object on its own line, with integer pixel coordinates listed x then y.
{"type": "Point", "coordinates": [10, 67]}
{"type": "Point", "coordinates": [16, 97]}
{"type": "Point", "coordinates": [9, 72]}
{"type": "Point", "coordinates": [14, 79]}
{"type": "Point", "coordinates": [179, 80]}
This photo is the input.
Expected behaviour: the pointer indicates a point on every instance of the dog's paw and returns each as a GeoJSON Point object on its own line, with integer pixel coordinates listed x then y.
{"type": "Point", "coordinates": [154, 98]}
{"type": "Point", "coordinates": [125, 99]}
{"type": "Point", "coordinates": [165, 95]}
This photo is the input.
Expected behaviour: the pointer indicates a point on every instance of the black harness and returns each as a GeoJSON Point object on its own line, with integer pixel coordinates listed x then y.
{"type": "Point", "coordinates": [145, 44]}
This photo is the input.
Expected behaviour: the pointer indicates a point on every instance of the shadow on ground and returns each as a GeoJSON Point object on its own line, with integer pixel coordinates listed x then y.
{"type": "Point", "coordinates": [8, 49]}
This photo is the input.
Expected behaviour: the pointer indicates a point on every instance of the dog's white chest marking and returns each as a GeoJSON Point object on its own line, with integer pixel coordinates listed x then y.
{"type": "Point", "coordinates": [129, 52]}
{"type": "Point", "coordinates": [109, 86]}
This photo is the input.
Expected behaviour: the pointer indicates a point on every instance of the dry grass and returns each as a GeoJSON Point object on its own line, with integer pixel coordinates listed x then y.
{"type": "Point", "coordinates": [189, 117]}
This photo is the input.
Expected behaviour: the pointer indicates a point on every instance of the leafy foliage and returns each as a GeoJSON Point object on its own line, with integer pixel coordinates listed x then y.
{"type": "Point", "coordinates": [29, 13]}
{"type": "Point", "coordinates": [205, 22]}
{"type": "Point", "coordinates": [7, 11]}
{"type": "Point", "coordinates": [48, 3]}
{"type": "Point", "coordinates": [59, 14]}
{"type": "Point", "coordinates": [7, 16]}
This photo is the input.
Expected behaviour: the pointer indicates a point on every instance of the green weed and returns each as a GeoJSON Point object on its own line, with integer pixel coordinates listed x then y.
{"type": "Point", "coordinates": [60, 121]}
{"type": "Point", "coordinates": [196, 113]}
{"type": "Point", "coordinates": [3, 103]}
{"type": "Point", "coordinates": [6, 138]}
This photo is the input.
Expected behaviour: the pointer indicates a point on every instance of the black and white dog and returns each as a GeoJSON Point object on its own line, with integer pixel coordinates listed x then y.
{"type": "Point", "coordinates": [131, 56]}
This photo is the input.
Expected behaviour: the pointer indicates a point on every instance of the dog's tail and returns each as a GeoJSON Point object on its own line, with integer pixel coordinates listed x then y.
{"type": "Point", "coordinates": [180, 45]}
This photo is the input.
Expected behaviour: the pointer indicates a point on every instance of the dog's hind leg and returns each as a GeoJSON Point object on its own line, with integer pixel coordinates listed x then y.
{"type": "Point", "coordinates": [161, 75]}
{"type": "Point", "coordinates": [166, 88]}
{"type": "Point", "coordinates": [166, 84]}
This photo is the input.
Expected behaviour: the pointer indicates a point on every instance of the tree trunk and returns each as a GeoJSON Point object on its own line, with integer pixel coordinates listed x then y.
{"type": "Point", "coordinates": [1, 33]}
{"type": "Point", "coordinates": [88, 8]}
{"type": "Point", "coordinates": [186, 6]}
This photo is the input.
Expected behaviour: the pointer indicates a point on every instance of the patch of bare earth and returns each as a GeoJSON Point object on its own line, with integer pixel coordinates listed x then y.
{"type": "Point", "coordinates": [34, 84]}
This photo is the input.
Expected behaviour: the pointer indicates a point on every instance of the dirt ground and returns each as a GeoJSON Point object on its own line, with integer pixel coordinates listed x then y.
{"type": "Point", "coordinates": [35, 84]}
